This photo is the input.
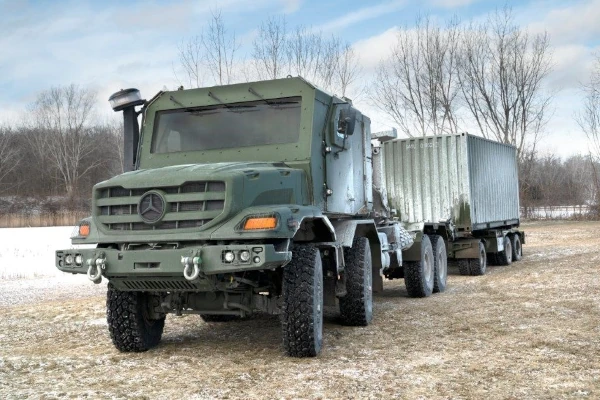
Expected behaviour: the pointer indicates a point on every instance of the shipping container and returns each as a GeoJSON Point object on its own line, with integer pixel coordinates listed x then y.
{"type": "Point", "coordinates": [465, 181]}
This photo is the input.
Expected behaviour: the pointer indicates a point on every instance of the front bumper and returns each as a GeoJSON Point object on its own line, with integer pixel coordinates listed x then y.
{"type": "Point", "coordinates": [167, 263]}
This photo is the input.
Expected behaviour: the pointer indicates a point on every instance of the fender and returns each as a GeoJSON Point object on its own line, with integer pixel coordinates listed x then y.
{"type": "Point", "coordinates": [347, 229]}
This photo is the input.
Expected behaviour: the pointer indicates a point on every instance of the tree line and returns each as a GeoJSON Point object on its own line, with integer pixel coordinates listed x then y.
{"type": "Point", "coordinates": [486, 78]}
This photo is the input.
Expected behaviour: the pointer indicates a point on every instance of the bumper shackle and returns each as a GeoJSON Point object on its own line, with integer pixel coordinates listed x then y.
{"type": "Point", "coordinates": [95, 268]}
{"type": "Point", "coordinates": [191, 267]}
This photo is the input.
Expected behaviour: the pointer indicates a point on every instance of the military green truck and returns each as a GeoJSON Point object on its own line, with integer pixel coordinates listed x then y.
{"type": "Point", "coordinates": [244, 198]}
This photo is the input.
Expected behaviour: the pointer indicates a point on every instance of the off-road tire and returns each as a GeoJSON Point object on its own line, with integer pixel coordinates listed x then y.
{"type": "Point", "coordinates": [302, 313]}
{"type": "Point", "coordinates": [517, 247]}
{"type": "Point", "coordinates": [356, 307]}
{"type": "Point", "coordinates": [419, 275]}
{"type": "Point", "coordinates": [474, 266]}
{"type": "Point", "coordinates": [131, 330]}
{"type": "Point", "coordinates": [218, 318]}
{"type": "Point", "coordinates": [505, 256]}
{"type": "Point", "coordinates": [440, 263]}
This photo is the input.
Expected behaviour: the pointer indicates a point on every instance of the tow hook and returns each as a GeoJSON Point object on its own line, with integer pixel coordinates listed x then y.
{"type": "Point", "coordinates": [95, 268]}
{"type": "Point", "coordinates": [191, 267]}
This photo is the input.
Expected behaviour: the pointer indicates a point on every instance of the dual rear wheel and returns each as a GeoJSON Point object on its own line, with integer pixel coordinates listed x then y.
{"type": "Point", "coordinates": [430, 273]}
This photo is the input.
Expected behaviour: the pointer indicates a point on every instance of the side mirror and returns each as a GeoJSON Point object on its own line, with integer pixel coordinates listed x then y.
{"type": "Point", "coordinates": [346, 121]}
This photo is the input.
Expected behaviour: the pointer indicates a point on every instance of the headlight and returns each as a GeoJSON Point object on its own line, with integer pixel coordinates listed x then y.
{"type": "Point", "coordinates": [69, 259]}
{"type": "Point", "coordinates": [229, 256]}
{"type": "Point", "coordinates": [244, 255]}
{"type": "Point", "coordinates": [78, 259]}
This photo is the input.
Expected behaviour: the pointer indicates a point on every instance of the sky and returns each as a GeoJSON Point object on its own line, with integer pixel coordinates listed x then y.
{"type": "Point", "coordinates": [109, 45]}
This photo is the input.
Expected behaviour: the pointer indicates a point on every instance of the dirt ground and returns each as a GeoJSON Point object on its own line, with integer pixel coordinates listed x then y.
{"type": "Point", "coordinates": [527, 331]}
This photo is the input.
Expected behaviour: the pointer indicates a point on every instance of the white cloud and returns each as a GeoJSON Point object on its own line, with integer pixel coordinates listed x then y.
{"type": "Point", "coordinates": [451, 3]}
{"type": "Point", "coordinates": [575, 21]}
{"type": "Point", "coordinates": [361, 14]}
{"type": "Point", "coordinates": [375, 48]}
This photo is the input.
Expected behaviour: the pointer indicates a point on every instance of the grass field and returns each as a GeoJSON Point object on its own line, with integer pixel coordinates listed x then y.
{"type": "Point", "coordinates": [526, 331]}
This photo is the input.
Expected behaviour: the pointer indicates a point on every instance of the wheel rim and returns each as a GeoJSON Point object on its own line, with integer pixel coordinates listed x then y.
{"type": "Point", "coordinates": [517, 246]}
{"type": "Point", "coordinates": [508, 251]}
{"type": "Point", "coordinates": [442, 266]}
{"type": "Point", "coordinates": [427, 267]}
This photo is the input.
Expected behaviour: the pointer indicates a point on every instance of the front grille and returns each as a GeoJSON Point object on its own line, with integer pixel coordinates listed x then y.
{"type": "Point", "coordinates": [191, 205]}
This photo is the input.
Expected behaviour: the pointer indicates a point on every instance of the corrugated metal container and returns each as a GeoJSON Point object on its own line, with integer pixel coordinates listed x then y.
{"type": "Point", "coordinates": [461, 178]}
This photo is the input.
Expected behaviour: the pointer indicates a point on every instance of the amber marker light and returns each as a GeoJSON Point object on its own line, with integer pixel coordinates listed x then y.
{"type": "Point", "coordinates": [84, 230]}
{"type": "Point", "coordinates": [260, 223]}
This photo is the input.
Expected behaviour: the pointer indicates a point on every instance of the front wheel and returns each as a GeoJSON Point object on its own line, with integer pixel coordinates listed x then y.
{"type": "Point", "coordinates": [419, 275]}
{"type": "Point", "coordinates": [302, 316]}
{"type": "Point", "coordinates": [356, 308]}
{"type": "Point", "coordinates": [129, 323]}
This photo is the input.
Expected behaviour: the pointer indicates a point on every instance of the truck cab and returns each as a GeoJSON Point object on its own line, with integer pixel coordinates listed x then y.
{"type": "Point", "coordinates": [244, 198]}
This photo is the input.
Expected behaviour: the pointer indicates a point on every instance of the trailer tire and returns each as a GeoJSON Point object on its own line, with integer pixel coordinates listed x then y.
{"type": "Point", "coordinates": [505, 256]}
{"type": "Point", "coordinates": [419, 275]}
{"type": "Point", "coordinates": [218, 318]}
{"type": "Point", "coordinates": [130, 327]}
{"type": "Point", "coordinates": [474, 266]}
{"type": "Point", "coordinates": [302, 313]}
{"type": "Point", "coordinates": [356, 307]}
{"type": "Point", "coordinates": [517, 248]}
{"type": "Point", "coordinates": [440, 263]}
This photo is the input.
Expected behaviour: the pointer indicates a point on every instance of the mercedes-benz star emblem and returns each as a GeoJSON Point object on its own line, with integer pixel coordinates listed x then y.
{"type": "Point", "coordinates": [151, 207]}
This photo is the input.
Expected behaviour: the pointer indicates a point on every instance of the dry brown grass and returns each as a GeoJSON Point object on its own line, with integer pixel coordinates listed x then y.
{"type": "Point", "coordinates": [529, 330]}
{"type": "Point", "coordinates": [62, 218]}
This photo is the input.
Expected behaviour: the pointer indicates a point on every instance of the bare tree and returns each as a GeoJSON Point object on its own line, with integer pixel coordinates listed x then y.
{"type": "Point", "coordinates": [61, 116]}
{"type": "Point", "coordinates": [269, 49]}
{"type": "Point", "coordinates": [348, 69]}
{"type": "Point", "coordinates": [589, 118]}
{"type": "Point", "coordinates": [418, 85]}
{"type": "Point", "coordinates": [304, 51]}
{"type": "Point", "coordinates": [212, 51]}
{"type": "Point", "coordinates": [191, 54]}
{"type": "Point", "coordinates": [9, 154]}
{"type": "Point", "coordinates": [501, 72]}
{"type": "Point", "coordinates": [589, 121]}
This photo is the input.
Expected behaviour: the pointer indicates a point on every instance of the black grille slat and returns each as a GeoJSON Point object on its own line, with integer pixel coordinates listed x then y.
{"type": "Point", "coordinates": [191, 206]}
{"type": "Point", "coordinates": [126, 201]}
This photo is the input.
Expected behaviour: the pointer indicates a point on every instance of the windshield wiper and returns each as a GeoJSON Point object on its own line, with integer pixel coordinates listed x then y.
{"type": "Point", "coordinates": [231, 108]}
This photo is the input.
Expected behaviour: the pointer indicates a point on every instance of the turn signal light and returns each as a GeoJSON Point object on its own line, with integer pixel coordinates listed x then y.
{"type": "Point", "coordinates": [260, 223]}
{"type": "Point", "coordinates": [84, 230]}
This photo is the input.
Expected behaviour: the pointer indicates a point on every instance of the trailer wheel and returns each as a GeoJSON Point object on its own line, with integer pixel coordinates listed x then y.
{"type": "Point", "coordinates": [302, 314]}
{"type": "Point", "coordinates": [474, 266]}
{"type": "Point", "coordinates": [356, 307]}
{"type": "Point", "coordinates": [218, 318]}
{"type": "Point", "coordinates": [131, 329]}
{"type": "Point", "coordinates": [440, 263]}
{"type": "Point", "coordinates": [505, 256]}
{"type": "Point", "coordinates": [517, 249]}
{"type": "Point", "coordinates": [419, 275]}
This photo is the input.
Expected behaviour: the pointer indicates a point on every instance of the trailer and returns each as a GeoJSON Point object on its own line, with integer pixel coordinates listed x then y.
{"type": "Point", "coordinates": [461, 187]}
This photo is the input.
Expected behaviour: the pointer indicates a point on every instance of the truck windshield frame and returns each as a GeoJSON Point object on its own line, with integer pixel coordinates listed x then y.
{"type": "Point", "coordinates": [225, 126]}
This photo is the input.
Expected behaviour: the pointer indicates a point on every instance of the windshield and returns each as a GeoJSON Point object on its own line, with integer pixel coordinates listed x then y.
{"type": "Point", "coordinates": [255, 123]}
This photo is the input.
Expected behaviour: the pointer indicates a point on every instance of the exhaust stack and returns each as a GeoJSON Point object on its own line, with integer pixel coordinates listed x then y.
{"type": "Point", "coordinates": [125, 100]}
